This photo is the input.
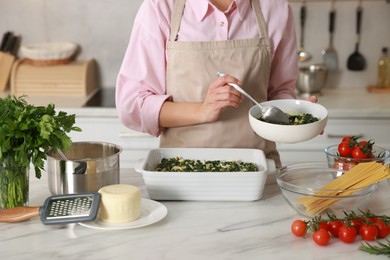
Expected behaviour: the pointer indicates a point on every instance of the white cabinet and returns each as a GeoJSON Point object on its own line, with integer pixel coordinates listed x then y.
{"type": "Point", "coordinates": [135, 145]}
{"type": "Point", "coordinates": [313, 150]}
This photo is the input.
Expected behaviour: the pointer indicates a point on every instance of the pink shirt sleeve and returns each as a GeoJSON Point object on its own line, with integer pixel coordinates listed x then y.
{"type": "Point", "coordinates": [140, 87]}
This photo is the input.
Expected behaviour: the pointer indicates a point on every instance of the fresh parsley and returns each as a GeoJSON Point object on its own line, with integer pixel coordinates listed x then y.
{"type": "Point", "coordinates": [28, 132]}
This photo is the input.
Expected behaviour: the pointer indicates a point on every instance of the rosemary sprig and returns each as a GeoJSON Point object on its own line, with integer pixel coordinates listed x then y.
{"type": "Point", "coordinates": [348, 216]}
{"type": "Point", "coordinates": [381, 248]}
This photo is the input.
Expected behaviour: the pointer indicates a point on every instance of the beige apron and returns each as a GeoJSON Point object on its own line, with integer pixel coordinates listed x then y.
{"type": "Point", "coordinates": [191, 66]}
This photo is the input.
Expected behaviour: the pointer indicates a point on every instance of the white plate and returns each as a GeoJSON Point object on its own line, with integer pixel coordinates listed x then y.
{"type": "Point", "coordinates": [151, 212]}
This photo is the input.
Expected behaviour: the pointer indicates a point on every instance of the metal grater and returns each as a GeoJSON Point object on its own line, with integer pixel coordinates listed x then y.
{"type": "Point", "coordinates": [70, 208]}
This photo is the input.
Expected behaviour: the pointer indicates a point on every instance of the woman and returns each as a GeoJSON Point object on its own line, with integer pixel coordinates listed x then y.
{"type": "Point", "coordinates": [167, 85]}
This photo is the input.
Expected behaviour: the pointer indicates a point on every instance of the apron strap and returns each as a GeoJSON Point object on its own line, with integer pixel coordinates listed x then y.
{"type": "Point", "coordinates": [178, 9]}
{"type": "Point", "coordinates": [260, 19]}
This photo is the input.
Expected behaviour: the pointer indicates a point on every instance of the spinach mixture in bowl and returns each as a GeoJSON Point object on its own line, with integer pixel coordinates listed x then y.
{"type": "Point", "coordinates": [299, 119]}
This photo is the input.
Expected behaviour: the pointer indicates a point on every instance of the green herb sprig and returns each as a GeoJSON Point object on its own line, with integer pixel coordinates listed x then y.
{"type": "Point", "coordinates": [379, 248]}
{"type": "Point", "coordinates": [28, 132]}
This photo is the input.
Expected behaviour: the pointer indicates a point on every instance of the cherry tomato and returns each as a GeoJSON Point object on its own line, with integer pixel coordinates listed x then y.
{"type": "Point", "coordinates": [349, 139]}
{"type": "Point", "coordinates": [366, 144]}
{"type": "Point", "coordinates": [368, 232]}
{"type": "Point", "coordinates": [321, 237]}
{"type": "Point", "coordinates": [334, 227]}
{"type": "Point", "coordinates": [363, 143]}
{"type": "Point", "coordinates": [347, 234]}
{"type": "Point", "coordinates": [383, 229]}
{"type": "Point", "coordinates": [324, 225]}
{"type": "Point", "coordinates": [356, 223]}
{"type": "Point", "coordinates": [345, 149]}
{"type": "Point", "coordinates": [299, 228]}
{"type": "Point", "coordinates": [370, 221]}
{"type": "Point", "coordinates": [343, 164]}
{"type": "Point", "coordinates": [359, 153]}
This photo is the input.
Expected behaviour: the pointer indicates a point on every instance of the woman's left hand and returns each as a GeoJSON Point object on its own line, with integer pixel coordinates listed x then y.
{"type": "Point", "coordinates": [313, 99]}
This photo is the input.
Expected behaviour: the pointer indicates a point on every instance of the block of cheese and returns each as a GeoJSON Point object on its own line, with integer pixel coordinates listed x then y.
{"type": "Point", "coordinates": [120, 203]}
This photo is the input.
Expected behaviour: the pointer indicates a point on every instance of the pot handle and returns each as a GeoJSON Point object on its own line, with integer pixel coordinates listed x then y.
{"type": "Point", "coordinates": [271, 170]}
{"type": "Point", "coordinates": [271, 166]}
{"type": "Point", "coordinates": [139, 165]}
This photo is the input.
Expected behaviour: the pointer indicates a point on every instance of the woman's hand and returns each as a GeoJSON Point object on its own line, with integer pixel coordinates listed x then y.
{"type": "Point", "coordinates": [219, 96]}
{"type": "Point", "coordinates": [313, 99]}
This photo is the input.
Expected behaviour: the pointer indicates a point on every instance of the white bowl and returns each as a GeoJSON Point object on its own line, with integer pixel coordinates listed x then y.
{"type": "Point", "coordinates": [205, 186]}
{"type": "Point", "coordinates": [289, 133]}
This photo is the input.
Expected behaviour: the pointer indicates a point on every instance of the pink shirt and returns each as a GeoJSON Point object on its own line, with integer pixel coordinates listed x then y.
{"type": "Point", "coordinates": [141, 88]}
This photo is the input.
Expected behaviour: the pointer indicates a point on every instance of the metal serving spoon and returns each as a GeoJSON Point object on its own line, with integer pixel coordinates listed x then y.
{"type": "Point", "coordinates": [81, 166]}
{"type": "Point", "coordinates": [270, 114]}
{"type": "Point", "coordinates": [303, 55]}
{"type": "Point", "coordinates": [62, 155]}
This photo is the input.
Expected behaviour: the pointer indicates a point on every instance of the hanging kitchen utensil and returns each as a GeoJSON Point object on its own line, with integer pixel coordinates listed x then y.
{"type": "Point", "coordinates": [356, 61]}
{"type": "Point", "coordinates": [302, 54]}
{"type": "Point", "coordinates": [60, 209]}
{"type": "Point", "coordinates": [329, 55]}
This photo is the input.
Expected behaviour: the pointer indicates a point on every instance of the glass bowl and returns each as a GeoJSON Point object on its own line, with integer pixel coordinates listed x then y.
{"type": "Point", "coordinates": [301, 183]}
{"type": "Point", "coordinates": [343, 164]}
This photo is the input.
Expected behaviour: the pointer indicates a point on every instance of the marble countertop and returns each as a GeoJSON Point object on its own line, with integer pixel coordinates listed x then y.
{"type": "Point", "coordinates": [355, 103]}
{"type": "Point", "coordinates": [191, 230]}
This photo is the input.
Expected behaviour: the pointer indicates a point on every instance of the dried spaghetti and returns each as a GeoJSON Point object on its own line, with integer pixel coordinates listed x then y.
{"type": "Point", "coordinates": [362, 175]}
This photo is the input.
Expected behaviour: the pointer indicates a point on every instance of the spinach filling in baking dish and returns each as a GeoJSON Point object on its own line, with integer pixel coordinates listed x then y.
{"type": "Point", "coordinates": [178, 164]}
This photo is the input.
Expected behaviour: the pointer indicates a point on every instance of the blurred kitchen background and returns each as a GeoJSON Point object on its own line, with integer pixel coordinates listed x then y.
{"type": "Point", "coordinates": [102, 29]}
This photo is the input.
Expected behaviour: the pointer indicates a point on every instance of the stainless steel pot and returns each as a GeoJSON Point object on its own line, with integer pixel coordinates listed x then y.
{"type": "Point", "coordinates": [89, 166]}
{"type": "Point", "coordinates": [312, 79]}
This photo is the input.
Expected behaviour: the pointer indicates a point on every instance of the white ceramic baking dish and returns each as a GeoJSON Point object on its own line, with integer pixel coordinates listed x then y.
{"type": "Point", "coordinates": [205, 186]}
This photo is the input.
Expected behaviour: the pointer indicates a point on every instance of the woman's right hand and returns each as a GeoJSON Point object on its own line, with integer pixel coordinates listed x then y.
{"type": "Point", "coordinates": [219, 96]}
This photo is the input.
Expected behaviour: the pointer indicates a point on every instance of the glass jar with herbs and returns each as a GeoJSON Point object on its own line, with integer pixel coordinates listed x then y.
{"type": "Point", "coordinates": [27, 133]}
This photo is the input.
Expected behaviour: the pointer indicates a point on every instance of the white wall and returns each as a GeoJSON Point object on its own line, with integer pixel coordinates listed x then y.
{"type": "Point", "coordinates": [102, 28]}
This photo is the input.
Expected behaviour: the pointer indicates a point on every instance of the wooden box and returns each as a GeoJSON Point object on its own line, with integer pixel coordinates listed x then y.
{"type": "Point", "coordinates": [6, 61]}
{"type": "Point", "coordinates": [72, 79]}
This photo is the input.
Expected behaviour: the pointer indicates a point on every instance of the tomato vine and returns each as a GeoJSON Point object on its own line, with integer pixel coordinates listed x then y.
{"type": "Point", "coordinates": [365, 224]}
